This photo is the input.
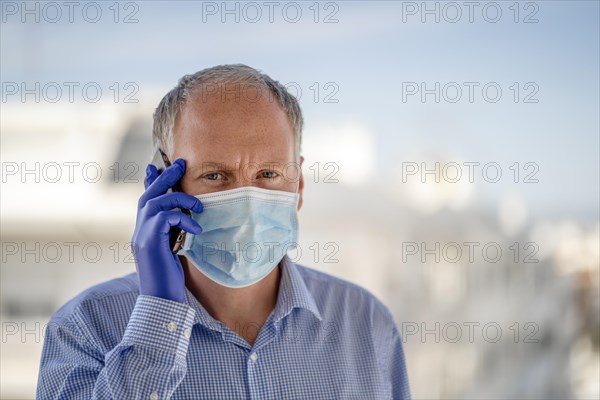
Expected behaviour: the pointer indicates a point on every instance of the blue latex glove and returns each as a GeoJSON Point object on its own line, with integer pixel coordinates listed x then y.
{"type": "Point", "coordinates": [159, 270]}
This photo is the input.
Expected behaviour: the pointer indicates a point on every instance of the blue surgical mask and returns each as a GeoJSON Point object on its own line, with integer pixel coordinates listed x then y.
{"type": "Point", "coordinates": [245, 233]}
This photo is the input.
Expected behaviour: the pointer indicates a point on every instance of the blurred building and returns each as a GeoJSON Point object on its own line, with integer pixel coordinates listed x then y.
{"type": "Point", "coordinates": [473, 328]}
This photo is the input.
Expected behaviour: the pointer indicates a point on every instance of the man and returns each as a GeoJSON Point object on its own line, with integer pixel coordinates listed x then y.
{"type": "Point", "coordinates": [203, 322]}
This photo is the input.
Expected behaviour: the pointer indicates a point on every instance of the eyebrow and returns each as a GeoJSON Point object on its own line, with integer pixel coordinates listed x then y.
{"type": "Point", "coordinates": [225, 167]}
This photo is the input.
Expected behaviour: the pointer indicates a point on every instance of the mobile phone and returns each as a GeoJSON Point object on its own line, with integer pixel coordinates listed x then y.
{"type": "Point", "coordinates": [176, 236]}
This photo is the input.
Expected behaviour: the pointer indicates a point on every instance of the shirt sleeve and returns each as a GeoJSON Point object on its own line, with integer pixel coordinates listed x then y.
{"type": "Point", "coordinates": [397, 367]}
{"type": "Point", "coordinates": [148, 363]}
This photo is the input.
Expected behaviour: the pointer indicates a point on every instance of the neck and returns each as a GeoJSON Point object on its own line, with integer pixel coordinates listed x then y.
{"type": "Point", "coordinates": [242, 310]}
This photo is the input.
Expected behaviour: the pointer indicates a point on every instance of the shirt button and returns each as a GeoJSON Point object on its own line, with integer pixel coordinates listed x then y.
{"type": "Point", "coordinates": [187, 333]}
{"type": "Point", "coordinates": [171, 326]}
{"type": "Point", "coordinates": [253, 357]}
{"type": "Point", "coordinates": [153, 396]}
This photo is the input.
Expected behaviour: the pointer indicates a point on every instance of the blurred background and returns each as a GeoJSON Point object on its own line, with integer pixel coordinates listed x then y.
{"type": "Point", "coordinates": [451, 165]}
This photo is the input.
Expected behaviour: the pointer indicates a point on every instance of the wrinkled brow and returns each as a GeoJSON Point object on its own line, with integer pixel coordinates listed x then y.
{"type": "Point", "coordinates": [213, 165]}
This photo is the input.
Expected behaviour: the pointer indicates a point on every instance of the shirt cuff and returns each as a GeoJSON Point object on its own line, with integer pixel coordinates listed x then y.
{"type": "Point", "coordinates": [160, 323]}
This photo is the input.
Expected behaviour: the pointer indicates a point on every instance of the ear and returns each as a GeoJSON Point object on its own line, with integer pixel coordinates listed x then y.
{"type": "Point", "coordinates": [300, 184]}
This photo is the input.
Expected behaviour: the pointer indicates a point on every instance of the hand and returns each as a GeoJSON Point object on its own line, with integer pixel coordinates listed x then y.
{"type": "Point", "coordinates": [159, 270]}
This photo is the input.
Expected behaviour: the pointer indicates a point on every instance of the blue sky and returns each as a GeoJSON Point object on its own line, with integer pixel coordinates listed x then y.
{"type": "Point", "coordinates": [368, 53]}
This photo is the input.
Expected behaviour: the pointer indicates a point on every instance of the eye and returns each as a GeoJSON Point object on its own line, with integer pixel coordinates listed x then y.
{"type": "Point", "coordinates": [269, 174]}
{"type": "Point", "coordinates": [212, 176]}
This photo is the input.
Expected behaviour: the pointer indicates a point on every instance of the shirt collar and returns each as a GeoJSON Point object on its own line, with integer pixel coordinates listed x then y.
{"type": "Point", "coordinates": [201, 316]}
{"type": "Point", "coordinates": [293, 293]}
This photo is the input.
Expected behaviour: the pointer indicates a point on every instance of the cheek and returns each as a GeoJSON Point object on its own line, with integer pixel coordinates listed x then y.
{"type": "Point", "coordinates": [292, 177]}
{"type": "Point", "coordinates": [192, 187]}
{"type": "Point", "coordinates": [285, 183]}
{"type": "Point", "coordinates": [289, 186]}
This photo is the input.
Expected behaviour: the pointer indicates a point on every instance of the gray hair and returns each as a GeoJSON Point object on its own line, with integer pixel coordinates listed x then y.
{"type": "Point", "coordinates": [236, 74]}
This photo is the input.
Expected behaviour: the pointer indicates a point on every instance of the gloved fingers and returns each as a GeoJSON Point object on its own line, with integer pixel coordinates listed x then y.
{"type": "Point", "coordinates": [169, 219]}
{"type": "Point", "coordinates": [163, 182]}
{"type": "Point", "coordinates": [169, 201]}
{"type": "Point", "coordinates": [151, 175]}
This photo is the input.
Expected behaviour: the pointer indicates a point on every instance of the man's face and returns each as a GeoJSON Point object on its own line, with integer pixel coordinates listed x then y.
{"type": "Point", "coordinates": [229, 143]}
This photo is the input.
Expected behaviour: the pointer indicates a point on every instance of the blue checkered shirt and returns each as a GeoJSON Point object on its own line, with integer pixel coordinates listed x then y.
{"type": "Point", "coordinates": [325, 339]}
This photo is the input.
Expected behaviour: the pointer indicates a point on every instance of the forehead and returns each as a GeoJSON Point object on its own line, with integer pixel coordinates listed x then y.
{"type": "Point", "coordinates": [236, 113]}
